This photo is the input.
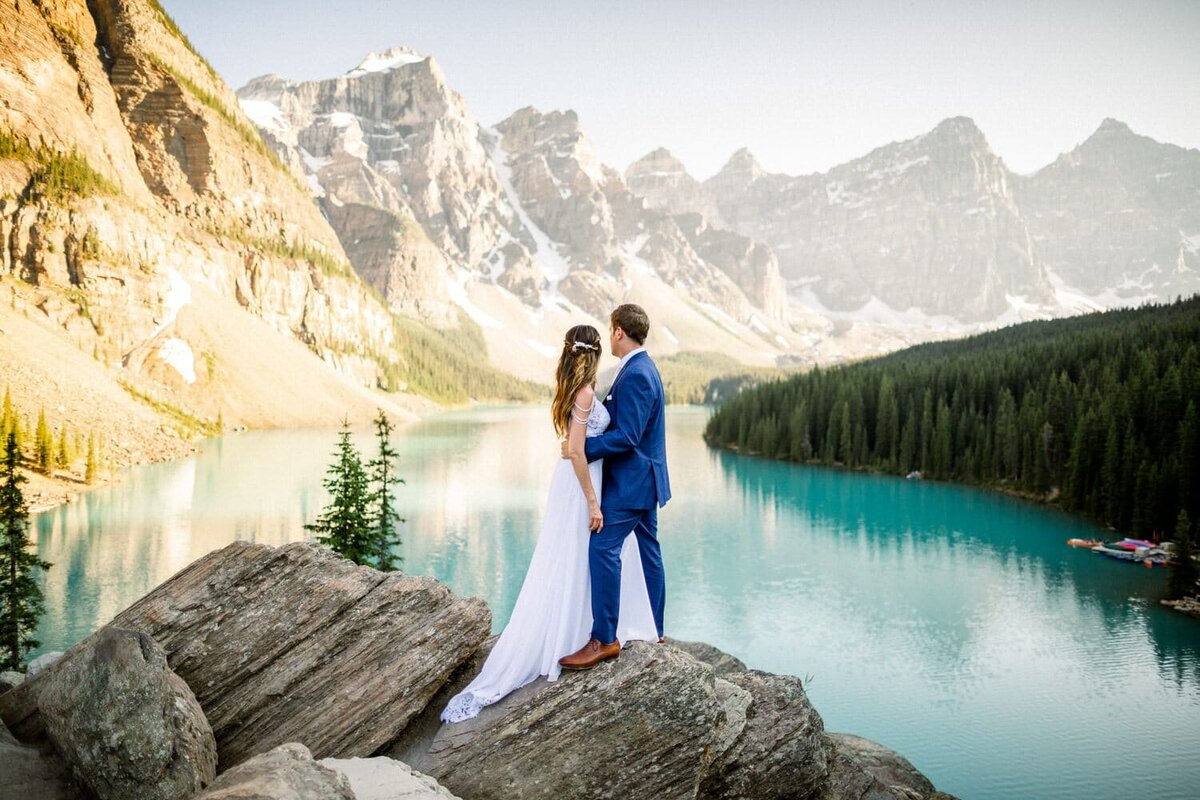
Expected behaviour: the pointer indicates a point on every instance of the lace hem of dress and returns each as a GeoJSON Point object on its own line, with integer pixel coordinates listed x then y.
{"type": "Point", "coordinates": [465, 706]}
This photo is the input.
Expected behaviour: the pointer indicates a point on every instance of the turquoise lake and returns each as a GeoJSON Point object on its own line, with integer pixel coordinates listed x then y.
{"type": "Point", "coordinates": [950, 624]}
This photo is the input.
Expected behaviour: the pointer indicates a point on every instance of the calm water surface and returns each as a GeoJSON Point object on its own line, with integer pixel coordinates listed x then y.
{"type": "Point", "coordinates": [950, 624]}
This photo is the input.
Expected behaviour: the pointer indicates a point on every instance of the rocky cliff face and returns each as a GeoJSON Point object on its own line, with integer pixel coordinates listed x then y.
{"type": "Point", "coordinates": [137, 199]}
{"type": "Point", "coordinates": [1119, 216]}
{"type": "Point", "coordinates": [518, 224]}
{"type": "Point", "coordinates": [935, 231]}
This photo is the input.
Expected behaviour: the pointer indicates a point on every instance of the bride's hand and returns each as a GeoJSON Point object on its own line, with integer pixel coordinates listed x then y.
{"type": "Point", "coordinates": [563, 447]}
{"type": "Point", "coordinates": [596, 520]}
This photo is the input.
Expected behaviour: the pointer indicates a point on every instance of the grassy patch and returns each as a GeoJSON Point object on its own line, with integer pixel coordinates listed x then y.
{"type": "Point", "coordinates": [451, 366]}
{"type": "Point", "coordinates": [190, 423]}
{"type": "Point", "coordinates": [57, 176]}
{"type": "Point", "coordinates": [281, 248]}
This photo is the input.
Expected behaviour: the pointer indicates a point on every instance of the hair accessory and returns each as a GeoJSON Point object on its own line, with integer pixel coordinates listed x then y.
{"type": "Point", "coordinates": [577, 345]}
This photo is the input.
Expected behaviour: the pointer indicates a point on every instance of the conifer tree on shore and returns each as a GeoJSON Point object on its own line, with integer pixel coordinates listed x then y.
{"type": "Point", "coordinates": [344, 524]}
{"type": "Point", "coordinates": [1185, 571]}
{"type": "Point", "coordinates": [44, 444]}
{"type": "Point", "coordinates": [89, 471]}
{"type": "Point", "coordinates": [384, 518]}
{"type": "Point", "coordinates": [21, 601]}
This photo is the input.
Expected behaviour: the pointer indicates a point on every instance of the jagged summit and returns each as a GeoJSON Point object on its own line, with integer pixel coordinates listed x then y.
{"type": "Point", "coordinates": [1110, 125]}
{"type": "Point", "coordinates": [960, 131]}
{"type": "Point", "coordinates": [385, 60]}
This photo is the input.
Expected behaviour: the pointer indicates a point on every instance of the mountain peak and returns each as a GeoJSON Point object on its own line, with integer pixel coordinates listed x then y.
{"type": "Point", "coordinates": [1113, 126]}
{"type": "Point", "coordinates": [959, 129]}
{"type": "Point", "coordinates": [385, 60]}
{"type": "Point", "coordinates": [743, 161]}
{"type": "Point", "coordinates": [658, 160]}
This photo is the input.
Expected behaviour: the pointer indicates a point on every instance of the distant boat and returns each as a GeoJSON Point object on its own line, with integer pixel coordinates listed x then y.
{"type": "Point", "coordinates": [1084, 542]}
{"type": "Point", "coordinates": [915, 475]}
{"type": "Point", "coordinates": [1139, 550]}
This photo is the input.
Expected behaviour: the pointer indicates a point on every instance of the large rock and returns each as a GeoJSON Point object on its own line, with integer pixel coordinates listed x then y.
{"type": "Point", "coordinates": [33, 773]}
{"type": "Point", "coordinates": [286, 773]}
{"type": "Point", "coordinates": [10, 679]}
{"type": "Point", "coordinates": [128, 725]}
{"type": "Point", "coordinates": [779, 752]}
{"type": "Point", "coordinates": [642, 725]}
{"type": "Point", "coordinates": [42, 662]}
{"type": "Point", "coordinates": [297, 644]}
{"type": "Point", "coordinates": [860, 769]}
{"type": "Point", "coordinates": [721, 662]}
{"type": "Point", "coordinates": [385, 778]}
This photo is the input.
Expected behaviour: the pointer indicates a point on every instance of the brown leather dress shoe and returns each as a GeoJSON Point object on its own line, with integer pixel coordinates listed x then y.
{"type": "Point", "coordinates": [590, 655]}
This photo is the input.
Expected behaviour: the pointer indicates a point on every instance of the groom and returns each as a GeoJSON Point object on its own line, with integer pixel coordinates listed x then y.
{"type": "Point", "coordinates": [634, 450]}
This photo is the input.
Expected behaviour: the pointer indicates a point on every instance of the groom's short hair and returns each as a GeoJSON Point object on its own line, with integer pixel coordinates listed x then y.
{"type": "Point", "coordinates": [633, 320]}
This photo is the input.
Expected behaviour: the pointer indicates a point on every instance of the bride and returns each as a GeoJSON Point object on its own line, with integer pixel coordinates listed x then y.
{"type": "Point", "coordinates": [553, 616]}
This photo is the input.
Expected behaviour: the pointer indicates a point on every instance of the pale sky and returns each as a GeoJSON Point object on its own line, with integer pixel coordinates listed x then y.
{"type": "Point", "coordinates": [804, 85]}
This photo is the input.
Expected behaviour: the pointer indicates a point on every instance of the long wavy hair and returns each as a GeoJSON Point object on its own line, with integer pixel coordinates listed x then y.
{"type": "Point", "coordinates": [577, 365]}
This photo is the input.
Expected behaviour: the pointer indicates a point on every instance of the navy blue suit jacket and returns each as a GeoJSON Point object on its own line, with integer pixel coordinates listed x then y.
{"type": "Point", "coordinates": [634, 447]}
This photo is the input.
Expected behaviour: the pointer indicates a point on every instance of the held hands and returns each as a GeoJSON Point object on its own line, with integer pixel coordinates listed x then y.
{"type": "Point", "coordinates": [563, 448]}
{"type": "Point", "coordinates": [595, 518]}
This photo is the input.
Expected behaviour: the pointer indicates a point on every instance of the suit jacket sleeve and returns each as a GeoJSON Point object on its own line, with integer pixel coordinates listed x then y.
{"type": "Point", "coordinates": [637, 404]}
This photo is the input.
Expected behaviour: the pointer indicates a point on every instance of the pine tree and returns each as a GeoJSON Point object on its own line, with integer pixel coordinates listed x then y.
{"type": "Point", "coordinates": [21, 601]}
{"type": "Point", "coordinates": [344, 524]}
{"type": "Point", "coordinates": [44, 444]}
{"type": "Point", "coordinates": [7, 418]}
{"type": "Point", "coordinates": [383, 517]}
{"type": "Point", "coordinates": [89, 474]}
{"type": "Point", "coordinates": [62, 455]}
{"type": "Point", "coordinates": [1184, 572]}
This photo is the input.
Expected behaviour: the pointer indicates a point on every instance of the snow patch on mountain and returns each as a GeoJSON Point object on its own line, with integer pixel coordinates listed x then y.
{"type": "Point", "coordinates": [265, 114]}
{"type": "Point", "coordinates": [387, 60]}
{"type": "Point", "coordinates": [178, 354]}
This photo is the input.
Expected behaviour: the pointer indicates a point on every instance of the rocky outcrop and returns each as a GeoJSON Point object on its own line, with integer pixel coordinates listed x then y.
{"type": "Point", "coordinates": [288, 771]}
{"type": "Point", "coordinates": [778, 751]}
{"type": "Point", "coordinates": [126, 724]}
{"type": "Point", "coordinates": [860, 769]}
{"type": "Point", "coordinates": [654, 712]}
{"type": "Point", "coordinates": [384, 778]}
{"type": "Point", "coordinates": [165, 191]}
{"type": "Point", "coordinates": [665, 183]}
{"type": "Point", "coordinates": [295, 644]}
{"type": "Point", "coordinates": [721, 662]}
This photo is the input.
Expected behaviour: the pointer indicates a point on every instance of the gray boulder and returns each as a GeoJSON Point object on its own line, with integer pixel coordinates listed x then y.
{"type": "Point", "coordinates": [861, 769]}
{"type": "Point", "coordinates": [9, 679]}
{"type": "Point", "coordinates": [41, 662]}
{"type": "Point", "coordinates": [721, 662]}
{"type": "Point", "coordinates": [33, 773]}
{"type": "Point", "coordinates": [288, 772]}
{"type": "Point", "coordinates": [293, 643]}
{"type": "Point", "coordinates": [385, 778]}
{"type": "Point", "coordinates": [778, 752]}
{"type": "Point", "coordinates": [128, 725]}
{"type": "Point", "coordinates": [641, 725]}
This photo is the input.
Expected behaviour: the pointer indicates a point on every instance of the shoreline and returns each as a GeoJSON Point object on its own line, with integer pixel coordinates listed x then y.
{"type": "Point", "coordinates": [48, 492]}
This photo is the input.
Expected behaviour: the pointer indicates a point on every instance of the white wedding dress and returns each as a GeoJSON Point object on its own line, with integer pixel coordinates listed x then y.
{"type": "Point", "coordinates": [553, 614]}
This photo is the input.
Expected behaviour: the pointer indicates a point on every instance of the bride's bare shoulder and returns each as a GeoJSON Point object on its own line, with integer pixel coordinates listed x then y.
{"type": "Point", "coordinates": [585, 394]}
